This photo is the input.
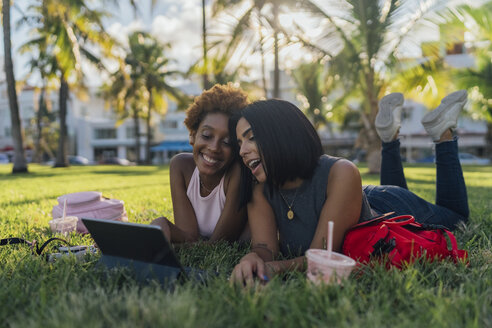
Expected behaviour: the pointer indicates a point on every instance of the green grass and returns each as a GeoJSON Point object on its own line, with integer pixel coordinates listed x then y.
{"type": "Point", "coordinates": [71, 293]}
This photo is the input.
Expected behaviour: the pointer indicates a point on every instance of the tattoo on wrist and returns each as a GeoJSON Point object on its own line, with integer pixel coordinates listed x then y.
{"type": "Point", "coordinates": [262, 246]}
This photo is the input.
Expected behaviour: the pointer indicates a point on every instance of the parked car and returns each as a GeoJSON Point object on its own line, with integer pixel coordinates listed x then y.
{"type": "Point", "coordinates": [116, 161]}
{"type": "Point", "coordinates": [4, 159]}
{"type": "Point", "coordinates": [427, 159]}
{"type": "Point", "coordinates": [78, 160]}
{"type": "Point", "coordinates": [467, 158]}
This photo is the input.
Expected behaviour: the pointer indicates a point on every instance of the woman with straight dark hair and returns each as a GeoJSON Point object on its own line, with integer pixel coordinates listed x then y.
{"type": "Point", "coordinates": [292, 190]}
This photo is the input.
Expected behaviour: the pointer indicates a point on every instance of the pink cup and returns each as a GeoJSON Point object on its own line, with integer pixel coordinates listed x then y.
{"type": "Point", "coordinates": [325, 269]}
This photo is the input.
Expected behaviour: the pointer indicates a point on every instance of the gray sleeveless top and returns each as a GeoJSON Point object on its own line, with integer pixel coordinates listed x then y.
{"type": "Point", "coordinates": [295, 235]}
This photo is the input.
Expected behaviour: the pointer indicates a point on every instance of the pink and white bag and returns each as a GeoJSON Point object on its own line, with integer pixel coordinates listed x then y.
{"type": "Point", "coordinates": [90, 204]}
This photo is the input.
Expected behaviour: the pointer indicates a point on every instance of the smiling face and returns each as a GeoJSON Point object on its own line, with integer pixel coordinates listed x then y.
{"type": "Point", "coordinates": [212, 151]}
{"type": "Point", "coordinates": [248, 150]}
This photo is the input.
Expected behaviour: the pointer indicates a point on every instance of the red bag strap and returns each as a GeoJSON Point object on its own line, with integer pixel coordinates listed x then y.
{"type": "Point", "coordinates": [371, 221]}
{"type": "Point", "coordinates": [455, 252]}
{"type": "Point", "coordinates": [400, 220]}
{"type": "Point", "coordinates": [454, 244]}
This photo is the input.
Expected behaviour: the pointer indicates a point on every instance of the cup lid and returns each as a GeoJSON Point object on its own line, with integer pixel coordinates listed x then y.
{"type": "Point", "coordinates": [321, 256]}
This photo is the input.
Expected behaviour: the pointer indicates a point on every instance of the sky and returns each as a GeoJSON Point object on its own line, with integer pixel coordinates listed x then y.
{"type": "Point", "coordinates": [174, 21]}
{"type": "Point", "coordinates": [177, 22]}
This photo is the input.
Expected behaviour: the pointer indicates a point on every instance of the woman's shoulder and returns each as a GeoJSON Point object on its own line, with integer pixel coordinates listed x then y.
{"type": "Point", "coordinates": [233, 170]}
{"type": "Point", "coordinates": [232, 175]}
{"type": "Point", "coordinates": [332, 168]}
{"type": "Point", "coordinates": [344, 169]}
{"type": "Point", "coordinates": [328, 159]}
{"type": "Point", "coordinates": [183, 163]}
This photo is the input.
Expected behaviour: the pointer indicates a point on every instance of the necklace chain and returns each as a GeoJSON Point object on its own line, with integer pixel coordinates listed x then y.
{"type": "Point", "coordinates": [290, 212]}
{"type": "Point", "coordinates": [204, 188]}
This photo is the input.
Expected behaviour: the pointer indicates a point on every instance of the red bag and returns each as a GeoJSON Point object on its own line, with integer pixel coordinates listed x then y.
{"type": "Point", "coordinates": [400, 238]}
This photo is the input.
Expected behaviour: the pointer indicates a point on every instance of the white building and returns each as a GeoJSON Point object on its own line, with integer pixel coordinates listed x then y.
{"type": "Point", "coordinates": [99, 135]}
{"type": "Point", "coordinates": [28, 102]}
{"type": "Point", "coordinates": [94, 130]}
{"type": "Point", "coordinates": [97, 132]}
{"type": "Point", "coordinates": [415, 142]}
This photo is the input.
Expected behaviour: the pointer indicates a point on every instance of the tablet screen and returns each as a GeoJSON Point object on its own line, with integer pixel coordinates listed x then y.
{"type": "Point", "coordinates": [141, 242]}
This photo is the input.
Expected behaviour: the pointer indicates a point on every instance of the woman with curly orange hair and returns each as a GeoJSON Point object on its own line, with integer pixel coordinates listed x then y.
{"type": "Point", "coordinates": [205, 184]}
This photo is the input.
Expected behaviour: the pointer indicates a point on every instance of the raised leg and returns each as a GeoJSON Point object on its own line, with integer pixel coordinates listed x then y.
{"type": "Point", "coordinates": [391, 166]}
{"type": "Point", "coordinates": [440, 124]}
{"type": "Point", "coordinates": [388, 121]}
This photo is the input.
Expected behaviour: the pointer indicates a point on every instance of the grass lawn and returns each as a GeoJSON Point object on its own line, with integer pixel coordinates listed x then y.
{"type": "Point", "coordinates": [71, 293]}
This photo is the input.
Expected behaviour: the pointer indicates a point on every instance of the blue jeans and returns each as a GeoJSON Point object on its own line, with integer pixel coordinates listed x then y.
{"type": "Point", "coordinates": [393, 195]}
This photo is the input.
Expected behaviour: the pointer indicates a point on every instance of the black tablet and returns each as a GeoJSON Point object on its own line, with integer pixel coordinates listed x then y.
{"type": "Point", "coordinates": [133, 241]}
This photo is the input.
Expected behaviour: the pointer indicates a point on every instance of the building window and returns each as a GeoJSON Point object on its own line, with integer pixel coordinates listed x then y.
{"type": "Point", "coordinates": [105, 133]}
{"type": "Point", "coordinates": [130, 132]}
{"type": "Point", "coordinates": [168, 124]}
{"type": "Point", "coordinates": [102, 153]}
{"type": "Point", "coordinates": [8, 132]}
{"type": "Point", "coordinates": [455, 49]}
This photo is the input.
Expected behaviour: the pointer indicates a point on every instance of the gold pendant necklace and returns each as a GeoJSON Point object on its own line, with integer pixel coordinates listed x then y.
{"type": "Point", "coordinates": [290, 212]}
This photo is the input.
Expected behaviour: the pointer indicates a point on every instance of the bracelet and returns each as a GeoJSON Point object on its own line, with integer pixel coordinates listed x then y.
{"type": "Point", "coordinates": [262, 246]}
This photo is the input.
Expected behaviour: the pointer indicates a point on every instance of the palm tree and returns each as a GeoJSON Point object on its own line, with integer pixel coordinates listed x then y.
{"type": "Point", "coordinates": [218, 66]}
{"type": "Point", "coordinates": [363, 40]}
{"type": "Point", "coordinates": [260, 13]}
{"type": "Point", "coordinates": [43, 63]}
{"type": "Point", "coordinates": [149, 69]}
{"type": "Point", "coordinates": [478, 23]}
{"type": "Point", "coordinates": [20, 163]}
{"type": "Point", "coordinates": [314, 82]}
{"type": "Point", "coordinates": [433, 79]}
{"type": "Point", "coordinates": [68, 29]}
{"type": "Point", "coordinates": [206, 83]}
{"type": "Point", "coordinates": [311, 84]}
{"type": "Point", "coordinates": [479, 80]}
{"type": "Point", "coordinates": [126, 97]}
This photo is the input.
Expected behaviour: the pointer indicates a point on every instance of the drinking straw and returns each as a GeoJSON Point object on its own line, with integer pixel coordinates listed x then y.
{"type": "Point", "coordinates": [329, 242]}
{"type": "Point", "coordinates": [64, 208]}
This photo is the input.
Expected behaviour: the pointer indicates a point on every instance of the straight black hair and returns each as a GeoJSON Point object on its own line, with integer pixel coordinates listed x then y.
{"type": "Point", "coordinates": [287, 142]}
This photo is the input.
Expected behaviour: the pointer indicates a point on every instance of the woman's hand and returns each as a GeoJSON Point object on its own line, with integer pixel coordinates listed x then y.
{"type": "Point", "coordinates": [251, 265]}
{"type": "Point", "coordinates": [163, 223]}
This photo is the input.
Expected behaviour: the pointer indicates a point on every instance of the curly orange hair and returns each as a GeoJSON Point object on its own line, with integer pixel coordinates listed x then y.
{"type": "Point", "coordinates": [221, 98]}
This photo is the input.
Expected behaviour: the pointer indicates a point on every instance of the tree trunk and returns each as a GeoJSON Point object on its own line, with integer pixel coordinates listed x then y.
{"type": "Point", "coordinates": [37, 158]}
{"type": "Point", "coordinates": [137, 135]}
{"type": "Point", "coordinates": [374, 156]}
{"type": "Point", "coordinates": [61, 156]}
{"type": "Point", "coordinates": [149, 132]}
{"type": "Point", "coordinates": [369, 140]}
{"type": "Point", "coordinates": [276, 70]}
{"type": "Point", "coordinates": [206, 83]}
{"type": "Point", "coordinates": [488, 141]}
{"type": "Point", "coordinates": [20, 163]}
{"type": "Point", "coordinates": [373, 142]}
{"type": "Point", "coordinates": [263, 71]}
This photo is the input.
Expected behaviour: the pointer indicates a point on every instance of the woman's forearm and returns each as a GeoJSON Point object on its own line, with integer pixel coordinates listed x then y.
{"type": "Point", "coordinates": [296, 264]}
{"type": "Point", "coordinates": [265, 253]}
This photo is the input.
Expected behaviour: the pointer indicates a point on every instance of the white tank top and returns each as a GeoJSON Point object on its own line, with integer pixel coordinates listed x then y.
{"type": "Point", "coordinates": [208, 208]}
